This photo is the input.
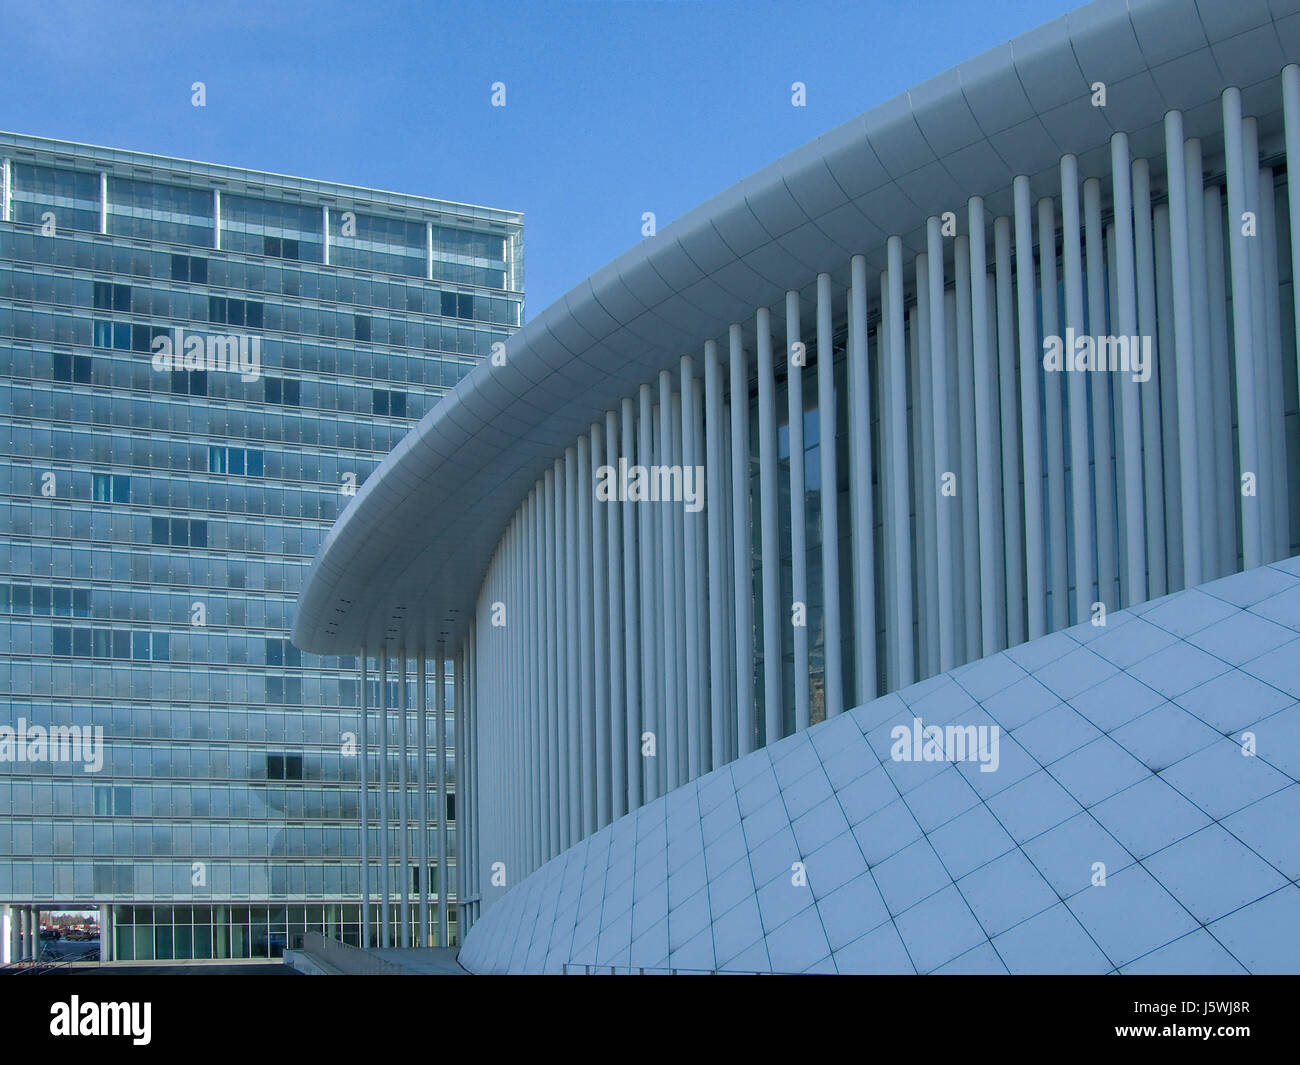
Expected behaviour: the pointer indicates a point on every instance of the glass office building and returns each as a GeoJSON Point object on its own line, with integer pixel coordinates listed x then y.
{"type": "Point", "coordinates": [199, 365]}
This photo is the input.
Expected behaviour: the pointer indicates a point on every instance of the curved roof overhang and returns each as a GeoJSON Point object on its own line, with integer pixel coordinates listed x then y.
{"type": "Point", "coordinates": [404, 562]}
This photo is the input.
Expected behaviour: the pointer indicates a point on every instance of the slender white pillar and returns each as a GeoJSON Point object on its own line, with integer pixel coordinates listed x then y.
{"type": "Point", "coordinates": [385, 872]}
{"type": "Point", "coordinates": [832, 637]}
{"type": "Point", "coordinates": [796, 360]}
{"type": "Point", "coordinates": [1201, 354]}
{"type": "Point", "coordinates": [691, 569]}
{"type": "Point", "coordinates": [403, 796]}
{"type": "Point", "coordinates": [1165, 354]}
{"type": "Point", "coordinates": [633, 598]}
{"type": "Point", "coordinates": [1135, 547]}
{"type": "Point", "coordinates": [365, 803]}
{"type": "Point", "coordinates": [670, 617]}
{"type": "Point", "coordinates": [1266, 481]}
{"type": "Point", "coordinates": [889, 463]}
{"type": "Point", "coordinates": [962, 358]}
{"type": "Point", "coordinates": [677, 525]}
{"type": "Point", "coordinates": [1184, 345]}
{"type": "Point", "coordinates": [459, 683]}
{"type": "Point", "coordinates": [946, 507]}
{"type": "Point", "coordinates": [742, 575]}
{"type": "Point", "coordinates": [1226, 488]}
{"type": "Point", "coordinates": [1053, 419]}
{"type": "Point", "coordinates": [615, 709]}
{"type": "Point", "coordinates": [601, 641]}
{"type": "Point", "coordinates": [440, 778]}
{"type": "Point", "coordinates": [769, 544]}
{"type": "Point", "coordinates": [1030, 360]}
{"type": "Point", "coordinates": [1098, 386]}
{"type": "Point", "coordinates": [715, 505]}
{"type": "Point", "coordinates": [554, 734]}
{"type": "Point", "coordinates": [927, 559]}
{"type": "Point", "coordinates": [864, 552]}
{"type": "Point", "coordinates": [1013, 532]}
{"type": "Point", "coordinates": [586, 641]}
{"type": "Point", "coordinates": [988, 503]}
{"type": "Point", "coordinates": [903, 618]}
{"type": "Point", "coordinates": [1149, 391]}
{"type": "Point", "coordinates": [1083, 520]}
{"type": "Point", "coordinates": [651, 583]}
{"type": "Point", "coordinates": [572, 629]}
{"type": "Point", "coordinates": [422, 780]}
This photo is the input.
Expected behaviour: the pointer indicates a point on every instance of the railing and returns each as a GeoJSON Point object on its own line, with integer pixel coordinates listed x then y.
{"type": "Point", "coordinates": [574, 969]}
{"type": "Point", "coordinates": [346, 958]}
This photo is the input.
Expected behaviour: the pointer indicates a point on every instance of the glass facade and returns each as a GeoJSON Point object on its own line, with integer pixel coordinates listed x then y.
{"type": "Point", "coordinates": [198, 368]}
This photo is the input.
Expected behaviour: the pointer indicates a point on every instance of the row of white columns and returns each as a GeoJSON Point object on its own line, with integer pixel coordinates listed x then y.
{"type": "Point", "coordinates": [410, 876]}
{"type": "Point", "coordinates": [623, 648]}
{"type": "Point", "coordinates": [21, 938]}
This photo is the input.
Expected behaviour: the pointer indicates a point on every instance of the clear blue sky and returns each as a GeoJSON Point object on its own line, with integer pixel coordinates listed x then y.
{"type": "Point", "coordinates": [612, 108]}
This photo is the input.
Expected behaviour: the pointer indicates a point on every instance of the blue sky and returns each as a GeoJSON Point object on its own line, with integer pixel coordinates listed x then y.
{"type": "Point", "coordinates": [613, 108]}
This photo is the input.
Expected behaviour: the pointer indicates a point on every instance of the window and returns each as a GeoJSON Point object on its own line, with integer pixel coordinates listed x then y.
{"type": "Point", "coordinates": [390, 403]}
{"type": "Point", "coordinates": [111, 488]}
{"type": "Point", "coordinates": [284, 767]}
{"type": "Point", "coordinates": [178, 532]}
{"type": "Point", "coordinates": [280, 247]}
{"type": "Point", "coordinates": [449, 305]}
{"type": "Point", "coordinates": [65, 367]}
{"type": "Point", "coordinates": [379, 401]}
{"type": "Point", "coordinates": [281, 390]}
{"type": "Point", "coordinates": [235, 460]}
{"type": "Point", "coordinates": [190, 268]}
{"type": "Point", "coordinates": [110, 297]}
{"type": "Point", "coordinates": [361, 326]}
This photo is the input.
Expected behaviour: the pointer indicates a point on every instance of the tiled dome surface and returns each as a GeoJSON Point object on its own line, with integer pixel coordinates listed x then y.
{"type": "Point", "coordinates": [1120, 745]}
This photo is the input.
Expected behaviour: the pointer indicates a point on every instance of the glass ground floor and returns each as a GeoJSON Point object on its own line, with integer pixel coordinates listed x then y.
{"type": "Point", "coordinates": [160, 932]}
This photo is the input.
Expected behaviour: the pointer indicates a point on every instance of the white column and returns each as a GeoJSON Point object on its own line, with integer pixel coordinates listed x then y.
{"type": "Point", "coordinates": [422, 780]}
{"type": "Point", "coordinates": [860, 471]}
{"type": "Point", "coordinates": [927, 559]}
{"type": "Point", "coordinates": [1202, 355]}
{"type": "Point", "coordinates": [1098, 385]}
{"type": "Point", "coordinates": [1135, 577]}
{"type": "Point", "coordinates": [1054, 420]}
{"type": "Point", "coordinates": [741, 578]}
{"type": "Point", "coordinates": [1226, 487]}
{"type": "Point", "coordinates": [586, 639]}
{"type": "Point", "coordinates": [691, 570]}
{"type": "Point", "coordinates": [946, 506]}
{"type": "Point", "coordinates": [1165, 354]}
{"type": "Point", "coordinates": [832, 637]}
{"type": "Point", "coordinates": [571, 702]}
{"type": "Point", "coordinates": [715, 506]}
{"type": "Point", "coordinates": [600, 635]}
{"type": "Point", "coordinates": [769, 542]}
{"type": "Point", "coordinates": [1083, 518]}
{"type": "Point", "coordinates": [460, 682]}
{"type": "Point", "coordinates": [365, 803]}
{"type": "Point", "coordinates": [554, 738]}
{"type": "Point", "coordinates": [1149, 391]}
{"type": "Point", "coordinates": [670, 617]}
{"type": "Point", "coordinates": [796, 360]}
{"type": "Point", "coordinates": [403, 821]}
{"type": "Point", "coordinates": [616, 750]}
{"type": "Point", "coordinates": [1266, 484]}
{"type": "Point", "coordinates": [1184, 344]}
{"type": "Point", "coordinates": [651, 607]}
{"type": "Point", "coordinates": [1013, 530]}
{"type": "Point", "coordinates": [633, 598]}
{"type": "Point", "coordinates": [989, 505]}
{"type": "Point", "coordinates": [385, 873]}
{"type": "Point", "coordinates": [677, 524]}
{"type": "Point", "coordinates": [963, 429]}
{"type": "Point", "coordinates": [1029, 358]}
{"type": "Point", "coordinates": [440, 777]}
{"type": "Point", "coordinates": [899, 507]}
